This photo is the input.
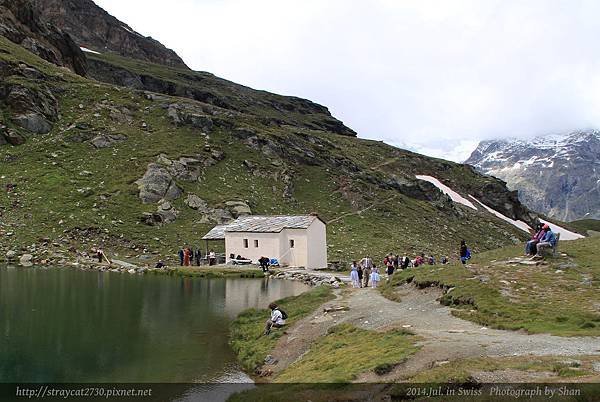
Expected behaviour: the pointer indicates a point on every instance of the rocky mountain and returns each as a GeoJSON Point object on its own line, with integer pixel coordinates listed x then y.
{"type": "Point", "coordinates": [22, 23]}
{"type": "Point", "coordinates": [557, 175]}
{"type": "Point", "coordinates": [93, 28]}
{"type": "Point", "coordinates": [145, 157]}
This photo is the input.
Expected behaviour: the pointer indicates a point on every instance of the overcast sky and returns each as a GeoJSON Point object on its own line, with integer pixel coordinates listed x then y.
{"type": "Point", "coordinates": [431, 76]}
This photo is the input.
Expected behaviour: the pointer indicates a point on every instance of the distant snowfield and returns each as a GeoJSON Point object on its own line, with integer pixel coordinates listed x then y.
{"type": "Point", "coordinates": [564, 233]}
{"type": "Point", "coordinates": [447, 190]}
{"type": "Point", "coordinates": [85, 49]}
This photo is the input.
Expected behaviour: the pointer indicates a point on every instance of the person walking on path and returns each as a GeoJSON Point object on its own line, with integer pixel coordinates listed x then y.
{"type": "Point", "coordinates": [180, 253]}
{"type": "Point", "coordinates": [367, 264]}
{"type": "Point", "coordinates": [375, 277]}
{"type": "Point", "coordinates": [354, 275]}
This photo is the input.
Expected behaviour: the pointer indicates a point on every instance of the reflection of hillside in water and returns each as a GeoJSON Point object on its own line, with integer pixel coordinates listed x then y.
{"type": "Point", "coordinates": [238, 293]}
{"type": "Point", "coordinates": [66, 325]}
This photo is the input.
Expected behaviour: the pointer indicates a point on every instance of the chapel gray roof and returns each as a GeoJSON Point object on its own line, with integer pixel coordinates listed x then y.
{"type": "Point", "coordinates": [270, 224]}
{"type": "Point", "coordinates": [216, 233]}
{"type": "Point", "coordinates": [261, 224]}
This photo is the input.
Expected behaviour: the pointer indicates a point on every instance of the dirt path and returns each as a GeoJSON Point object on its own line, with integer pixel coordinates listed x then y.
{"type": "Point", "coordinates": [444, 337]}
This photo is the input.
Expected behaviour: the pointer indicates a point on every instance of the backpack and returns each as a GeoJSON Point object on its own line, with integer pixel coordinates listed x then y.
{"type": "Point", "coordinates": [283, 314]}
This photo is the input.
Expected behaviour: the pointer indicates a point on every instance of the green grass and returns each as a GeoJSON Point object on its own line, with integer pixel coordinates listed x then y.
{"type": "Point", "coordinates": [246, 339]}
{"type": "Point", "coordinates": [536, 299]}
{"type": "Point", "coordinates": [347, 351]}
{"type": "Point", "coordinates": [586, 225]}
{"type": "Point", "coordinates": [463, 371]}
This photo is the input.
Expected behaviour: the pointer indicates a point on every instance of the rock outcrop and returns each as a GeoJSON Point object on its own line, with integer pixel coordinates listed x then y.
{"type": "Point", "coordinates": [22, 23]}
{"type": "Point", "coordinates": [157, 184]}
{"type": "Point", "coordinates": [92, 27]}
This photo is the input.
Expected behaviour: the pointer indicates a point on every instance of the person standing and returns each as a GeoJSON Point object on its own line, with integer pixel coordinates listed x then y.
{"type": "Point", "coordinates": [180, 253]}
{"type": "Point", "coordinates": [465, 253]}
{"type": "Point", "coordinates": [360, 275]}
{"type": "Point", "coordinates": [198, 256]}
{"type": "Point", "coordinates": [354, 274]}
{"type": "Point", "coordinates": [367, 264]}
{"type": "Point", "coordinates": [389, 270]}
{"type": "Point", "coordinates": [212, 258]}
{"type": "Point", "coordinates": [375, 277]}
{"type": "Point", "coordinates": [187, 256]}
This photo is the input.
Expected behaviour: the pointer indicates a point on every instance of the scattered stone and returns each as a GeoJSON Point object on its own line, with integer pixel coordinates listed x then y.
{"type": "Point", "coordinates": [107, 140]}
{"type": "Point", "coordinates": [26, 260]}
{"type": "Point", "coordinates": [11, 255]}
{"type": "Point", "coordinates": [270, 360]}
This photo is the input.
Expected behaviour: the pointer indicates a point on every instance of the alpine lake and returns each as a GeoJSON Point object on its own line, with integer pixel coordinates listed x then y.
{"type": "Point", "coordinates": [63, 325]}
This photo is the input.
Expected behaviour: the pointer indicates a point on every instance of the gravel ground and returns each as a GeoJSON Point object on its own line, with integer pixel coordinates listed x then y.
{"type": "Point", "coordinates": [443, 336]}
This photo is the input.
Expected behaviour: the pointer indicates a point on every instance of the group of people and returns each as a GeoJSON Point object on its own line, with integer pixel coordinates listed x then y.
{"type": "Point", "coordinates": [365, 271]}
{"type": "Point", "coordinates": [541, 238]}
{"type": "Point", "coordinates": [187, 257]}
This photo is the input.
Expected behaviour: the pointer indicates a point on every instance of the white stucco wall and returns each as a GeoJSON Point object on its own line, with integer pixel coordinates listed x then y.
{"type": "Point", "coordinates": [298, 255]}
{"type": "Point", "coordinates": [310, 246]}
{"type": "Point", "coordinates": [317, 245]}
{"type": "Point", "coordinates": [268, 245]}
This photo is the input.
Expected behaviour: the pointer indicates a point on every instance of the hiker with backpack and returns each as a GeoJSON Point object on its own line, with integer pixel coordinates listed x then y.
{"type": "Point", "coordinates": [465, 253]}
{"type": "Point", "coordinates": [277, 320]}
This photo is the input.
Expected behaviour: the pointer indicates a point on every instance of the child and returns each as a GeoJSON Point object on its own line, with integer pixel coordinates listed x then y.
{"type": "Point", "coordinates": [354, 274]}
{"type": "Point", "coordinates": [374, 277]}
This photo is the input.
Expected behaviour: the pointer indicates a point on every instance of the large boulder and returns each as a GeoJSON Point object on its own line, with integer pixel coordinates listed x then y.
{"type": "Point", "coordinates": [238, 208]}
{"type": "Point", "coordinates": [195, 202]}
{"type": "Point", "coordinates": [157, 184]}
{"type": "Point", "coordinates": [33, 122]}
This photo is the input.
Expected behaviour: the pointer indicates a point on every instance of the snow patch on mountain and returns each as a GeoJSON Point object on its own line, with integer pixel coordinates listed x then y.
{"type": "Point", "coordinates": [448, 191]}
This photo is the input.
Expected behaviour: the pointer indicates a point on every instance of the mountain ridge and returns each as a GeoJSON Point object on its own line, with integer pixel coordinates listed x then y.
{"type": "Point", "coordinates": [556, 175]}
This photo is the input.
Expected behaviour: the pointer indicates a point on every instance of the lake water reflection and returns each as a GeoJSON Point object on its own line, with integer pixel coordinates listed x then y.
{"type": "Point", "coordinates": [65, 325]}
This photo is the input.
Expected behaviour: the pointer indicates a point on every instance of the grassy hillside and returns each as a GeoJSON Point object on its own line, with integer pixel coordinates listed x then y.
{"type": "Point", "coordinates": [559, 296]}
{"type": "Point", "coordinates": [587, 226]}
{"type": "Point", "coordinates": [71, 195]}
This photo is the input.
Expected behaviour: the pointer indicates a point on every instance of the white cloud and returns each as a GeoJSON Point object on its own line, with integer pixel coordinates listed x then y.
{"type": "Point", "coordinates": [436, 76]}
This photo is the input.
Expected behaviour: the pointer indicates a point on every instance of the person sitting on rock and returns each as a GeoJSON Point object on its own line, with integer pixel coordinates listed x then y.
{"type": "Point", "coordinates": [277, 319]}
{"type": "Point", "coordinates": [548, 241]}
{"type": "Point", "coordinates": [530, 246]}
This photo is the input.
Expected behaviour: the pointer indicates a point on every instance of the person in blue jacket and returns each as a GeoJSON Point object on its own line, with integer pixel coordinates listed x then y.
{"type": "Point", "coordinates": [547, 241]}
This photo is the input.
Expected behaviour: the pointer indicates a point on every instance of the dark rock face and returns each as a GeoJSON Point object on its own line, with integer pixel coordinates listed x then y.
{"type": "Point", "coordinates": [22, 23]}
{"type": "Point", "coordinates": [220, 97]}
{"type": "Point", "coordinates": [555, 175]}
{"type": "Point", "coordinates": [34, 109]}
{"type": "Point", "coordinates": [92, 27]}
